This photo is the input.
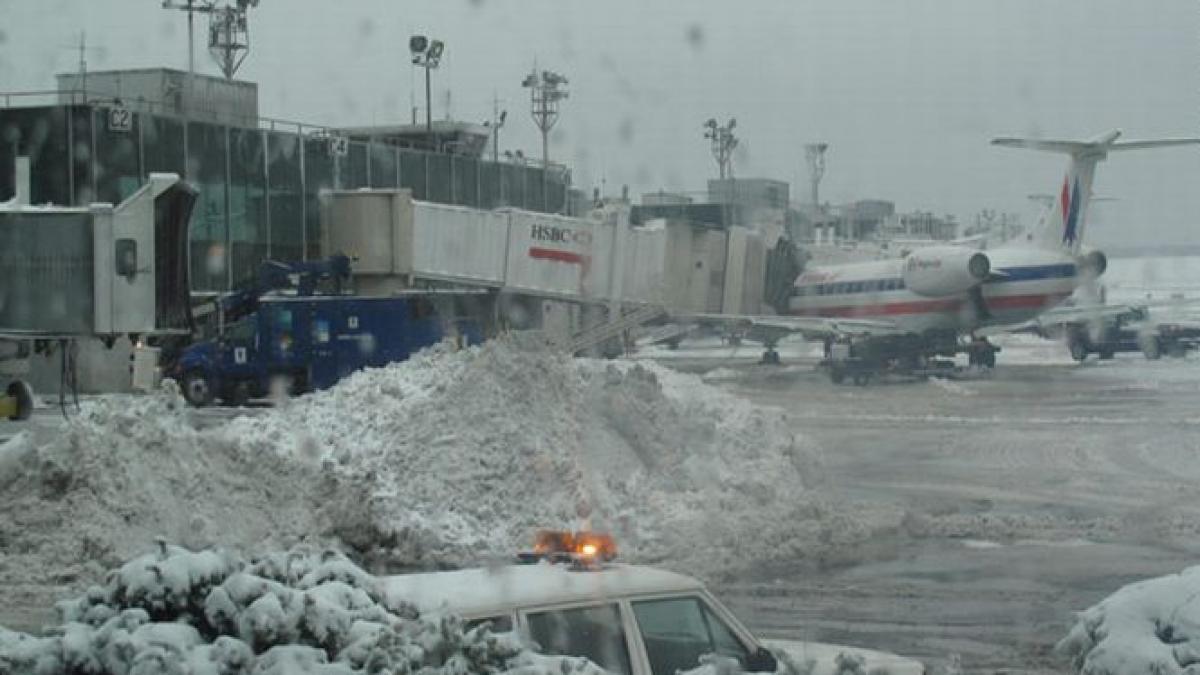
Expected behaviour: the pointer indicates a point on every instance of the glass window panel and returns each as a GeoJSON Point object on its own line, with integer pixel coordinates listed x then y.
{"type": "Point", "coordinates": [383, 166]}
{"type": "Point", "coordinates": [318, 175]}
{"type": "Point", "coordinates": [354, 167]}
{"type": "Point", "coordinates": [41, 135]}
{"type": "Point", "coordinates": [724, 640]}
{"type": "Point", "coordinates": [674, 632]}
{"type": "Point", "coordinates": [439, 178]}
{"type": "Point", "coordinates": [118, 173]}
{"type": "Point", "coordinates": [162, 144]}
{"type": "Point", "coordinates": [591, 632]}
{"type": "Point", "coordinates": [489, 185]}
{"type": "Point", "coordinates": [412, 173]}
{"type": "Point", "coordinates": [209, 226]}
{"type": "Point", "coordinates": [466, 181]}
{"type": "Point", "coordinates": [285, 196]}
{"type": "Point", "coordinates": [513, 184]}
{"type": "Point", "coordinates": [248, 229]}
{"type": "Point", "coordinates": [80, 140]}
{"type": "Point", "coordinates": [534, 190]}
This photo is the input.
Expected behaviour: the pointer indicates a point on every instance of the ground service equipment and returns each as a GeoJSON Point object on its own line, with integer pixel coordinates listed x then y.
{"type": "Point", "coordinates": [286, 336]}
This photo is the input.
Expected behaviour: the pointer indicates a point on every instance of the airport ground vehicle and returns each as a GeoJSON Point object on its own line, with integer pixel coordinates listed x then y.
{"type": "Point", "coordinates": [304, 339]}
{"type": "Point", "coordinates": [311, 342]}
{"type": "Point", "coordinates": [1120, 335]}
{"type": "Point", "coordinates": [628, 619]}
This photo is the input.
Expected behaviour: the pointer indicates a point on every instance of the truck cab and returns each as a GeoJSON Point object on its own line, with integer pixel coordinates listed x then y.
{"type": "Point", "coordinates": [627, 619]}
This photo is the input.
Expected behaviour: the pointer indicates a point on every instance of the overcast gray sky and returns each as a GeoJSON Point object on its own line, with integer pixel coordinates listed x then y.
{"type": "Point", "coordinates": [907, 93]}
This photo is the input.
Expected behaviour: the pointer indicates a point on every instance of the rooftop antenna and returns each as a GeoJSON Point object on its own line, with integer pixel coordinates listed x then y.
{"type": "Point", "coordinates": [229, 36]}
{"type": "Point", "coordinates": [228, 32]}
{"type": "Point", "coordinates": [82, 49]}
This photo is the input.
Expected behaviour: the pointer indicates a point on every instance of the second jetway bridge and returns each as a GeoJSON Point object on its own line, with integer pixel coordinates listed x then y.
{"type": "Point", "coordinates": [604, 274]}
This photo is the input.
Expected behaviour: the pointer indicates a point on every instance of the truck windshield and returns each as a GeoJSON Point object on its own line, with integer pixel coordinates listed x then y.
{"type": "Point", "coordinates": [242, 331]}
{"type": "Point", "coordinates": [678, 631]}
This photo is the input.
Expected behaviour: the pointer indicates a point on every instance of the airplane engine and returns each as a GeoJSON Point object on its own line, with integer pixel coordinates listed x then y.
{"type": "Point", "coordinates": [1092, 264]}
{"type": "Point", "coordinates": [945, 270]}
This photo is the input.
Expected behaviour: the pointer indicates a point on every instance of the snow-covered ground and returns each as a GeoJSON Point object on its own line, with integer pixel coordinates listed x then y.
{"type": "Point", "coordinates": [1152, 279]}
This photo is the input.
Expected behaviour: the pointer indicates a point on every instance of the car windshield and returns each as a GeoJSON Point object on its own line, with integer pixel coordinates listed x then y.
{"type": "Point", "coordinates": [684, 336]}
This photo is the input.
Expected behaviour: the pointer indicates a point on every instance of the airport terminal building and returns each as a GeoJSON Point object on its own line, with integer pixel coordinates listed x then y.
{"type": "Point", "coordinates": [98, 136]}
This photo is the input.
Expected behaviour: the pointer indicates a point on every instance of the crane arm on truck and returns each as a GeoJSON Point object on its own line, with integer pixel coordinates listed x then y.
{"type": "Point", "coordinates": [303, 277]}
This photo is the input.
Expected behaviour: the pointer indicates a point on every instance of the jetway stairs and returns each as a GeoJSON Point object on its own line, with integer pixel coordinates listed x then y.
{"type": "Point", "coordinates": [600, 333]}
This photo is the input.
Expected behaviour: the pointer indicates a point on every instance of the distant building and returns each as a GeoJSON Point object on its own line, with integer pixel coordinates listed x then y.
{"type": "Point", "coordinates": [448, 136]}
{"type": "Point", "coordinates": [863, 219]}
{"type": "Point", "coordinates": [920, 225]}
{"type": "Point", "coordinates": [662, 198]}
{"type": "Point", "coordinates": [751, 193]}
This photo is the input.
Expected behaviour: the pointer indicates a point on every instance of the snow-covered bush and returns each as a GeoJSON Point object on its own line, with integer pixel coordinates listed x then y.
{"type": "Point", "coordinates": [1152, 626]}
{"type": "Point", "coordinates": [304, 611]}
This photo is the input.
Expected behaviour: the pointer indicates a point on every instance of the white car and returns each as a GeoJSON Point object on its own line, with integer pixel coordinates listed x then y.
{"type": "Point", "coordinates": [627, 619]}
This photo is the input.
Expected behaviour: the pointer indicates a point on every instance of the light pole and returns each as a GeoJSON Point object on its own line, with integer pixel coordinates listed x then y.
{"type": "Point", "coordinates": [426, 54]}
{"type": "Point", "coordinates": [723, 143]}
{"type": "Point", "coordinates": [546, 89]}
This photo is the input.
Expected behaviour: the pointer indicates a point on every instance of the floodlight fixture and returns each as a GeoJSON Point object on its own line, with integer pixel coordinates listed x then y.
{"type": "Point", "coordinates": [435, 51]}
{"type": "Point", "coordinates": [418, 44]}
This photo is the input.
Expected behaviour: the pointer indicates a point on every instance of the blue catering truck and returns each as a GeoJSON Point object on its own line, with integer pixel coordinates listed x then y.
{"type": "Point", "coordinates": [284, 331]}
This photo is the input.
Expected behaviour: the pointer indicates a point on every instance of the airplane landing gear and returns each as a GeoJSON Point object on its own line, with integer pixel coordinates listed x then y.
{"type": "Point", "coordinates": [982, 353]}
{"type": "Point", "coordinates": [770, 358]}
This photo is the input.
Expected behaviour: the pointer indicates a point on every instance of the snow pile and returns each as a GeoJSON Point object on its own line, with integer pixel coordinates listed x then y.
{"type": "Point", "coordinates": [304, 611]}
{"type": "Point", "coordinates": [1151, 626]}
{"type": "Point", "coordinates": [78, 500]}
{"type": "Point", "coordinates": [470, 452]}
{"type": "Point", "coordinates": [451, 458]}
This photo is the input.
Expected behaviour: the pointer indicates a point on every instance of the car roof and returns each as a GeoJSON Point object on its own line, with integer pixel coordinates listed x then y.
{"type": "Point", "coordinates": [499, 589]}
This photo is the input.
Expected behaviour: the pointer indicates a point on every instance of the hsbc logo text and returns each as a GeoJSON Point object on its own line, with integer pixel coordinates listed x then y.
{"type": "Point", "coordinates": [560, 235]}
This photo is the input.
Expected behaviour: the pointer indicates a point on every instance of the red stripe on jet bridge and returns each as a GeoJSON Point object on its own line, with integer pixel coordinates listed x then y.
{"type": "Point", "coordinates": [929, 306]}
{"type": "Point", "coordinates": [555, 254]}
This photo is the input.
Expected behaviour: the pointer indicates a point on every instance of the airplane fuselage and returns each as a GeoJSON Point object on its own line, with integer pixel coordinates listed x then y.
{"type": "Point", "coordinates": [1023, 283]}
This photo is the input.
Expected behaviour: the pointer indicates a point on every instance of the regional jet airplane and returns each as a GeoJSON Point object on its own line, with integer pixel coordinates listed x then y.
{"type": "Point", "coordinates": [897, 315]}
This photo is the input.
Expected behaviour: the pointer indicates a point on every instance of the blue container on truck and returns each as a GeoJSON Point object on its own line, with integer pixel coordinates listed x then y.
{"type": "Point", "coordinates": [311, 342]}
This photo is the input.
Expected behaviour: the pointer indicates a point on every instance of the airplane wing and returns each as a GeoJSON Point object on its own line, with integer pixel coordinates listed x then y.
{"type": "Point", "coordinates": [772, 328]}
{"type": "Point", "coordinates": [1077, 314]}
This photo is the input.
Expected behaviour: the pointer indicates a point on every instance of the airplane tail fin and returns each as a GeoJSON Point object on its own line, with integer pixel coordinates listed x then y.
{"type": "Point", "coordinates": [1061, 225]}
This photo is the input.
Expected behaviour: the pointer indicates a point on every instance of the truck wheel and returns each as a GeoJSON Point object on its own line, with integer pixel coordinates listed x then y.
{"type": "Point", "coordinates": [1151, 348]}
{"type": "Point", "coordinates": [836, 375]}
{"type": "Point", "coordinates": [1176, 350]}
{"type": "Point", "coordinates": [239, 395]}
{"type": "Point", "coordinates": [21, 396]}
{"type": "Point", "coordinates": [196, 388]}
{"type": "Point", "coordinates": [1078, 351]}
{"type": "Point", "coordinates": [1106, 354]}
{"type": "Point", "coordinates": [988, 358]}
